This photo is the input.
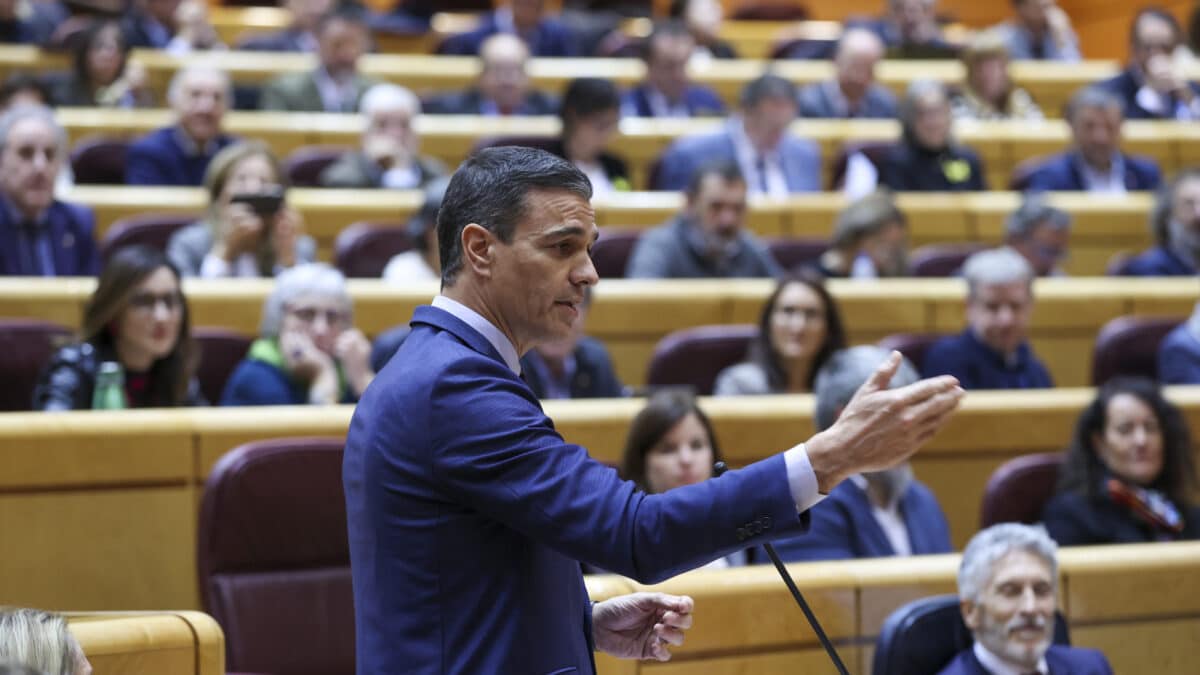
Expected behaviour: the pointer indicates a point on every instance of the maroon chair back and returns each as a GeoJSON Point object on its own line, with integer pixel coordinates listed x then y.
{"type": "Point", "coordinates": [304, 166]}
{"type": "Point", "coordinates": [912, 345]}
{"type": "Point", "coordinates": [149, 229]}
{"type": "Point", "coordinates": [363, 249]}
{"type": "Point", "coordinates": [99, 161]}
{"type": "Point", "coordinates": [941, 260]}
{"type": "Point", "coordinates": [221, 350]}
{"type": "Point", "coordinates": [274, 558]}
{"type": "Point", "coordinates": [26, 346]}
{"type": "Point", "coordinates": [1128, 345]}
{"type": "Point", "coordinates": [694, 357]}
{"type": "Point", "coordinates": [610, 253]}
{"type": "Point", "coordinates": [1018, 490]}
{"type": "Point", "coordinates": [875, 151]}
{"type": "Point", "coordinates": [794, 253]}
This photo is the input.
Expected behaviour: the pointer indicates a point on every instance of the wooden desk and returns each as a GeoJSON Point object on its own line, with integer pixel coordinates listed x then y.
{"type": "Point", "coordinates": [181, 643]}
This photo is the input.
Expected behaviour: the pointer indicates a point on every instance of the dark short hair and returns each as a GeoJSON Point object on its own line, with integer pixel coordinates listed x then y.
{"type": "Point", "coordinates": [763, 353]}
{"type": "Point", "coordinates": [1089, 98]}
{"type": "Point", "coordinates": [1157, 13]}
{"type": "Point", "coordinates": [728, 170]}
{"type": "Point", "coordinates": [664, 409]}
{"type": "Point", "coordinates": [764, 87]}
{"type": "Point", "coordinates": [18, 82]}
{"type": "Point", "coordinates": [1083, 471]}
{"type": "Point", "coordinates": [672, 28]}
{"type": "Point", "coordinates": [490, 189]}
{"type": "Point", "coordinates": [586, 96]}
{"type": "Point", "coordinates": [349, 12]}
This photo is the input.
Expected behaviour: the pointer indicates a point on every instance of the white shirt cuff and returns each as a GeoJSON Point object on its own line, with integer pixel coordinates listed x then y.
{"type": "Point", "coordinates": [801, 479]}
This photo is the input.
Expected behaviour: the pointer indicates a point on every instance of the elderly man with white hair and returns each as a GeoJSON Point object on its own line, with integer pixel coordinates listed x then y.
{"type": "Point", "coordinates": [873, 514]}
{"type": "Point", "coordinates": [853, 91]}
{"type": "Point", "coordinates": [993, 352]}
{"type": "Point", "coordinates": [1008, 589]}
{"type": "Point", "coordinates": [388, 157]}
{"type": "Point", "coordinates": [179, 154]}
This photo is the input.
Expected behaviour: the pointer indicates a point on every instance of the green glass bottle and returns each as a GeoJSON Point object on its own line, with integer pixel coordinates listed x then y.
{"type": "Point", "coordinates": [109, 393]}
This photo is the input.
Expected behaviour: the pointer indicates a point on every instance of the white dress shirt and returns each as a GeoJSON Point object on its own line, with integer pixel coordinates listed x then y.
{"type": "Point", "coordinates": [997, 666]}
{"type": "Point", "coordinates": [890, 520]}
{"type": "Point", "coordinates": [1112, 182]}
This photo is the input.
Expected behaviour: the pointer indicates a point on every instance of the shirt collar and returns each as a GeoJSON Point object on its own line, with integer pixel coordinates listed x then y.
{"type": "Point", "coordinates": [484, 327]}
{"type": "Point", "coordinates": [997, 666]}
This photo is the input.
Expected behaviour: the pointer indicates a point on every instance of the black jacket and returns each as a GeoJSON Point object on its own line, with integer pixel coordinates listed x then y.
{"type": "Point", "coordinates": [67, 382]}
{"type": "Point", "coordinates": [1073, 519]}
{"type": "Point", "coordinates": [907, 168]}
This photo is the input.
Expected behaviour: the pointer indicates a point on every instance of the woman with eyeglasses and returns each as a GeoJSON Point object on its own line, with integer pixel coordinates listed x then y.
{"type": "Point", "coordinates": [308, 350]}
{"type": "Point", "coordinates": [138, 318]}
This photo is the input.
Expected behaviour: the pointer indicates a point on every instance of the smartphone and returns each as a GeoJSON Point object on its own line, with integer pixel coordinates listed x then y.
{"type": "Point", "coordinates": [265, 204]}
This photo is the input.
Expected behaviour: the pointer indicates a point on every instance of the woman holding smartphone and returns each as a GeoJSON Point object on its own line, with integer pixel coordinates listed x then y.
{"type": "Point", "coordinates": [249, 230]}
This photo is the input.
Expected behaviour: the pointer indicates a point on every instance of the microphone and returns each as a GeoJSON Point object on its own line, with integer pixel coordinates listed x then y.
{"type": "Point", "coordinates": [720, 468]}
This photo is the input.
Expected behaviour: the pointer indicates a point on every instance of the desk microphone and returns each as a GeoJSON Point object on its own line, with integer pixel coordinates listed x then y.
{"type": "Point", "coordinates": [720, 468]}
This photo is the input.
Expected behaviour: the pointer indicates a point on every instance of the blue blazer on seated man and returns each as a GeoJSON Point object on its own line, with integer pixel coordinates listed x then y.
{"type": "Point", "coordinates": [168, 157]}
{"type": "Point", "coordinates": [1066, 172]}
{"type": "Point", "coordinates": [60, 243]}
{"type": "Point", "coordinates": [697, 101]}
{"type": "Point", "coordinates": [799, 161]}
{"type": "Point", "coordinates": [1060, 660]}
{"type": "Point", "coordinates": [549, 37]}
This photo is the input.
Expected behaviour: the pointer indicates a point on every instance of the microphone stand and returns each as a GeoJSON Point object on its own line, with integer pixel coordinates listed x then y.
{"type": "Point", "coordinates": [720, 468]}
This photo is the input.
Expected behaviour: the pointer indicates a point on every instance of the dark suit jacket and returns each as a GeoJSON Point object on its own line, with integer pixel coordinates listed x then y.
{"type": "Point", "coordinates": [72, 245]}
{"type": "Point", "coordinates": [158, 159]}
{"type": "Point", "coordinates": [1073, 519]}
{"type": "Point", "coordinates": [470, 102]}
{"type": "Point", "coordinates": [1126, 86]}
{"type": "Point", "coordinates": [801, 159]}
{"type": "Point", "coordinates": [286, 40]}
{"type": "Point", "coordinates": [700, 102]}
{"type": "Point", "coordinates": [550, 38]}
{"type": "Point", "coordinates": [976, 366]}
{"type": "Point", "coordinates": [142, 31]}
{"type": "Point", "coordinates": [356, 170]}
{"type": "Point", "coordinates": [1179, 357]}
{"type": "Point", "coordinates": [298, 92]}
{"type": "Point", "coordinates": [1060, 659]}
{"type": "Point", "coordinates": [906, 168]}
{"type": "Point", "coordinates": [844, 528]}
{"type": "Point", "coordinates": [1157, 262]}
{"type": "Point", "coordinates": [469, 516]}
{"type": "Point", "coordinates": [594, 375]}
{"type": "Point", "coordinates": [819, 100]}
{"type": "Point", "coordinates": [1065, 172]}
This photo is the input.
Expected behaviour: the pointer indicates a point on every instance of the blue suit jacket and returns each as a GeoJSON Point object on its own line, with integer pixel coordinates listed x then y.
{"type": "Point", "coordinates": [978, 367]}
{"type": "Point", "coordinates": [801, 160]}
{"type": "Point", "coordinates": [469, 516]}
{"type": "Point", "coordinates": [1060, 659]}
{"type": "Point", "coordinates": [1179, 357]}
{"type": "Point", "coordinates": [1065, 172]}
{"type": "Point", "coordinates": [158, 159]}
{"type": "Point", "coordinates": [550, 38]}
{"type": "Point", "coordinates": [700, 102]}
{"type": "Point", "coordinates": [72, 245]}
{"type": "Point", "coordinates": [843, 528]}
{"type": "Point", "coordinates": [1157, 262]}
{"type": "Point", "coordinates": [1126, 86]}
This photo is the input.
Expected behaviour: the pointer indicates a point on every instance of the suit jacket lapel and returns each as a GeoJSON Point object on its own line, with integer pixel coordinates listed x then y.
{"type": "Point", "coordinates": [874, 540]}
{"type": "Point", "coordinates": [441, 319]}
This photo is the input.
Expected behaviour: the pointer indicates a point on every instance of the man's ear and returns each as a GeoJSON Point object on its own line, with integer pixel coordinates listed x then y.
{"type": "Point", "coordinates": [478, 249]}
{"type": "Point", "coordinates": [969, 615]}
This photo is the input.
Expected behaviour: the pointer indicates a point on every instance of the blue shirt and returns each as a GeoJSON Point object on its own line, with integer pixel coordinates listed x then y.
{"type": "Point", "coordinates": [978, 366]}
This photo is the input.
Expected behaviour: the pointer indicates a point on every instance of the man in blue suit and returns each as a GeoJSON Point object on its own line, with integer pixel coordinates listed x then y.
{"type": "Point", "coordinates": [1008, 586]}
{"type": "Point", "coordinates": [1175, 222]}
{"type": "Point", "coordinates": [853, 91]}
{"type": "Point", "coordinates": [469, 515]}
{"type": "Point", "coordinates": [668, 90]}
{"type": "Point", "coordinates": [179, 154]}
{"type": "Point", "coordinates": [524, 18]}
{"type": "Point", "coordinates": [774, 162]}
{"type": "Point", "coordinates": [1096, 163]}
{"type": "Point", "coordinates": [872, 515]}
{"type": "Point", "coordinates": [1152, 87]}
{"type": "Point", "coordinates": [39, 235]}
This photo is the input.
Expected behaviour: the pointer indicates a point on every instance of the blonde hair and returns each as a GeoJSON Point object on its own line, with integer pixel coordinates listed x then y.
{"type": "Point", "coordinates": [39, 639]}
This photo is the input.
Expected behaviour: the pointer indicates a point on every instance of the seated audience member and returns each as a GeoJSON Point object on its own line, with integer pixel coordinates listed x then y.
{"type": "Point", "coordinates": [1154, 86]}
{"type": "Point", "coordinates": [703, 19]}
{"type": "Point", "coordinates": [910, 30]}
{"type": "Point", "coordinates": [24, 89]}
{"type": "Point", "coordinates": [869, 240]}
{"type": "Point", "coordinates": [335, 85]}
{"type": "Point", "coordinates": [993, 352]}
{"type": "Point", "coordinates": [527, 20]}
{"type": "Point", "coordinates": [41, 641]}
{"type": "Point", "coordinates": [708, 239]}
{"type": "Point", "coordinates": [179, 154]}
{"type": "Point", "coordinates": [1040, 233]}
{"type": "Point", "coordinates": [308, 350]}
{"type": "Point", "coordinates": [503, 87]}
{"type": "Point", "coordinates": [138, 318]}
{"type": "Point", "coordinates": [101, 74]}
{"type": "Point", "coordinates": [150, 24]}
{"type": "Point", "coordinates": [1008, 588]}
{"type": "Point", "coordinates": [39, 235]}
{"type": "Point", "coordinates": [299, 36]}
{"type": "Point", "coordinates": [1040, 30]}
{"type": "Point", "coordinates": [871, 515]}
{"type": "Point", "coordinates": [423, 261]}
{"type": "Point", "coordinates": [1179, 352]}
{"type": "Point", "coordinates": [576, 366]}
{"type": "Point", "coordinates": [667, 90]}
{"type": "Point", "coordinates": [989, 93]}
{"type": "Point", "coordinates": [799, 328]}
{"type": "Point", "coordinates": [774, 162]}
{"type": "Point", "coordinates": [590, 113]}
{"type": "Point", "coordinates": [926, 158]}
{"type": "Point", "coordinates": [1129, 475]}
{"type": "Point", "coordinates": [1095, 163]}
{"type": "Point", "coordinates": [671, 444]}
{"type": "Point", "coordinates": [1175, 222]}
{"type": "Point", "coordinates": [389, 157]}
{"type": "Point", "coordinates": [249, 229]}
{"type": "Point", "coordinates": [194, 32]}
{"type": "Point", "coordinates": [853, 91]}
{"type": "Point", "coordinates": [30, 23]}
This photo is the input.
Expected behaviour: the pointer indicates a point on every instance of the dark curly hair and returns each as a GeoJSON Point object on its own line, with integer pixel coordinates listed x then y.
{"type": "Point", "coordinates": [664, 409]}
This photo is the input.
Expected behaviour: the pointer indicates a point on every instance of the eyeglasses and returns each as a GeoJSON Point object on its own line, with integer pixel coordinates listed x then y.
{"type": "Point", "coordinates": [333, 317]}
{"type": "Point", "coordinates": [147, 302]}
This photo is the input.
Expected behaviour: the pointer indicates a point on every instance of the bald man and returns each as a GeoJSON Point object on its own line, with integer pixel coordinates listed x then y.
{"type": "Point", "coordinates": [853, 92]}
{"type": "Point", "coordinates": [503, 87]}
